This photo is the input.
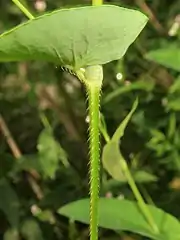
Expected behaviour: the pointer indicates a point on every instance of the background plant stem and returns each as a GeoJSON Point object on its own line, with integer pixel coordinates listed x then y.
{"type": "Point", "coordinates": [138, 196]}
{"type": "Point", "coordinates": [133, 186]}
{"type": "Point", "coordinates": [23, 9]}
{"type": "Point", "coordinates": [32, 175]}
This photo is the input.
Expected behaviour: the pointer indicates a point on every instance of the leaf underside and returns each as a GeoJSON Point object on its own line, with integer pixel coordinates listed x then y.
{"type": "Point", "coordinates": [75, 37]}
{"type": "Point", "coordinates": [125, 215]}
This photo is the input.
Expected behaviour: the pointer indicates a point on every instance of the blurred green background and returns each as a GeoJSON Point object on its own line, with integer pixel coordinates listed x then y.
{"type": "Point", "coordinates": [43, 127]}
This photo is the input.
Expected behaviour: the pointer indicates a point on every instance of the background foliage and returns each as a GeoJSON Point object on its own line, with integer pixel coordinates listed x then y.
{"type": "Point", "coordinates": [43, 122]}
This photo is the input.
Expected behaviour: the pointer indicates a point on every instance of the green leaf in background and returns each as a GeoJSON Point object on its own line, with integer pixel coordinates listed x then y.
{"type": "Point", "coordinates": [111, 161]}
{"type": "Point", "coordinates": [119, 133]}
{"type": "Point", "coordinates": [111, 156]}
{"type": "Point", "coordinates": [46, 161]}
{"type": "Point", "coordinates": [125, 215]}
{"type": "Point", "coordinates": [168, 57]}
{"type": "Point", "coordinates": [146, 84]}
{"type": "Point", "coordinates": [27, 163]}
{"type": "Point", "coordinates": [173, 99]}
{"type": "Point", "coordinates": [11, 234]}
{"type": "Point", "coordinates": [144, 177]}
{"type": "Point", "coordinates": [50, 153]}
{"type": "Point", "coordinates": [7, 162]}
{"type": "Point", "coordinates": [9, 203]}
{"type": "Point", "coordinates": [74, 37]}
{"type": "Point", "coordinates": [174, 104]}
{"type": "Point", "coordinates": [175, 87]}
{"type": "Point", "coordinates": [45, 216]}
{"type": "Point", "coordinates": [138, 176]}
{"type": "Point", "coordinates": [31, 230]}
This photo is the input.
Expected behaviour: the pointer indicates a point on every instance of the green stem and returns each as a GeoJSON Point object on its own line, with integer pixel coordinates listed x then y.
{"type": "Point", "coordinates": [135, 190]}
{"type": "Point", "coordinates": [92, 77]}
{"type": "Point", "coordinates": [23, 9]}
{"type": "Point", "coordinates": [140, 200]}
{"type": "Point", "coordinates": [97, 2]}
{"type": "Point", "coordinates": [93, 97]}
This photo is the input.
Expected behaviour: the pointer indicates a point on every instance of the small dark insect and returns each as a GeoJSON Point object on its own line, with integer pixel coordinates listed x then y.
{"type": "Point", "coordinates": [68, 70]}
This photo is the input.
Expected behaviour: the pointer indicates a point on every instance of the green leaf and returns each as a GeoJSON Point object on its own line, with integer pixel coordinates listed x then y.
{"type": "Point", "coordinates": [9, 203]}
{"type": "Point", "coordinates": [125, 215]}
{"type": "Point", "coordinates": [45, 216]}
{"type": "Point", "coordinates": [168, 57]}
{"type": "Point", "coordinates": [31, 230]}
{"type": "Point", "coordinates": [50, 153]}
{"type": "Point", "coordinates": [173, 96]}
{"type": "Point", "coordinates": [173, 104]}
{"type": "Point", "coordinates": [7, 163]}
{"type": "Point", "coordinates": [175, 87]}
{"type": "Point", "coordinates": [144, 177]}
{"type": "Point", "coordinates": [146, 84]}
{"type": "Point", "coordinates": [120, 130]}
{"type": "Point", "coordinates": [138, 176]}
{"type": "Point", "coordinates": [111, 156]}
{"type": "Point", "coordinates": [11, 234]}
{"type": "Point", "coordinates": [27, 163]}
{"type": "Point", "coordinates": [74, 37]}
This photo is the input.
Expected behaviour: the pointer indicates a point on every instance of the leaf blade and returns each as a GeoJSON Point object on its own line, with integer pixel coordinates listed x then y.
{"type": "Point", "coordinates": [124, 215]}
{"type": "Point", "coordinates": [9, 203]}
{"type": "Point", "coordinates": [112, 158]}
{"type": "Point", "coordinates": [96, 28]}
{"type": "Point", "coordinates": [168, 57]}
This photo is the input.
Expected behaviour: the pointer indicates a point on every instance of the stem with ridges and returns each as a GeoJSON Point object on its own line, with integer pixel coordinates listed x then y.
{"type": "Point", "coordinates": [93, 91]}
{"type": "Point", "coordinates": [92, 77]}
{"type": "Point", "coordinates": [93, 97]}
